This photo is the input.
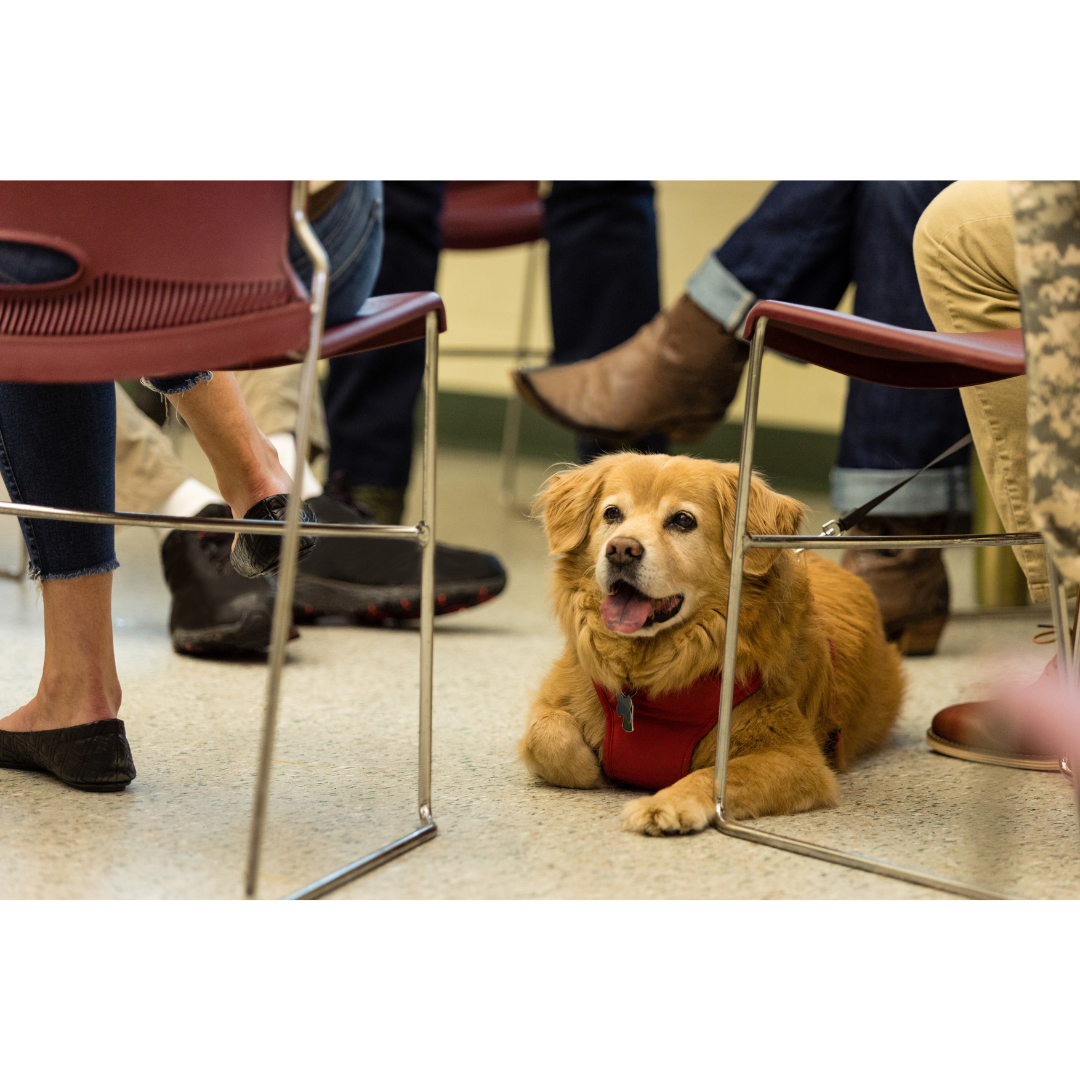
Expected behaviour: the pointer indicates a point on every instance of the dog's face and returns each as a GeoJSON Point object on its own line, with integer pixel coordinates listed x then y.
{"type": "Point", "coordinates": [656, 533]}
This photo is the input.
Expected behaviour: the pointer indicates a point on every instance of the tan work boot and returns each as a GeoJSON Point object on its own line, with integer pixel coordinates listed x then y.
{"type": "Point", "coordinates": [676, 375]}
{"type": "Point", "coordinates": [910, 584]}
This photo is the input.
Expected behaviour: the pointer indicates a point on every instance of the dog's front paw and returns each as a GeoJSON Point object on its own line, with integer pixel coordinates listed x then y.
{"type": "Point", "coordinates": [553, 747]}
{"type": "Point", "coordinates": [667, 813]}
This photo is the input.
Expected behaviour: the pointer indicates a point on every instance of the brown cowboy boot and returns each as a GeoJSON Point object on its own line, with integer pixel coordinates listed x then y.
{"type": "Point", "coordinates": [676, 375]}
{"type": "Point", "coordinates": [910, 584]}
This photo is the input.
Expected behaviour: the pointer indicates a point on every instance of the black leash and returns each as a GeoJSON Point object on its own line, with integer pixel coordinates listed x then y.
{"type": "Point", "coordinates": [854, 517]}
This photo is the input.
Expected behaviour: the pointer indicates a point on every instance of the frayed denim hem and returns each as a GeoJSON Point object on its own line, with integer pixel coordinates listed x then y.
{"type": "Point", "coordinates": [177, 384]}
{"type": "Point", "coordinates": [34, 573]}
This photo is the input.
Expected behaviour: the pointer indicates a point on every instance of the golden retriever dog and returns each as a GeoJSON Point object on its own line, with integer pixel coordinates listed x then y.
{"type": "Point", "coordinates": [640, 589]}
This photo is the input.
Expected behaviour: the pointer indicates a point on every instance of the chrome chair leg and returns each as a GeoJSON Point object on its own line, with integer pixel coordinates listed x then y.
{"type": "Point", "coordinates": [290, 547]}
{"type": "Point", "coordinates": [290, 543]}
{"type": "Point", "coordinates": [427, 827]}
{"type": "Point", "coordinates": [727, 687]}
{"type": "Point", "coordinates": [1059, 611]}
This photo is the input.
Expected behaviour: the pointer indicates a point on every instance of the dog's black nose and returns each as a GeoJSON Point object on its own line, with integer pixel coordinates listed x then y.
{"type": "Point", "coordinates": [623, 550]}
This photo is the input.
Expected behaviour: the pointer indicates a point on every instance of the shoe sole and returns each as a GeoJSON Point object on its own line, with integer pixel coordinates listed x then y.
{"type": "Point", "coordinates": [318, 597]}
{"type": "Point", "coordinates": [119, 786]}
{"type": "Point", "coordinates": [988, 757]}
{"type": "Point", "coordinates": [249, 635]}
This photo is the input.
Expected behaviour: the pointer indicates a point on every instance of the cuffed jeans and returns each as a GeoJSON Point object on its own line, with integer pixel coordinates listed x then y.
{"type": "Point", "coordinates": [604, 285]}
{"type": "Point", "coordinates": [56, 446]}
{"type": "Point", "coordinates": [804, 244]}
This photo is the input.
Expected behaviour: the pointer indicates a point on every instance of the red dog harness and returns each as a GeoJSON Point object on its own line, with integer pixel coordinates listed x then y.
{"type": "Point", "coordinates": [649, 741]}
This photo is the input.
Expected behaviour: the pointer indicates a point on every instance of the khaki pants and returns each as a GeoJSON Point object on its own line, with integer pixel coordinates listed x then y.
{"type": "Point", "coordinates": [966, 261]}
{"type": "Point", "coordinates": [147, 468]}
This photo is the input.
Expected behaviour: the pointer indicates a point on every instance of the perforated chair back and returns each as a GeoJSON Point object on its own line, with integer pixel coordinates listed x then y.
{"type": "Point", "coordinates": [172, 277]}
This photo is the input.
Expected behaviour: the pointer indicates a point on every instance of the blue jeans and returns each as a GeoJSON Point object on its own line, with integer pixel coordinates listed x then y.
{"type": "Point", "coordinates": [57, 440]}
{"type": "Point", "coordinates": [804, 244]}
{"type": "Point", "coordinates": [604, 285]}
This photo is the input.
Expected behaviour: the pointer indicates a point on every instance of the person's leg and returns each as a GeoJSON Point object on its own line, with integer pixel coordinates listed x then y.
{"type": "Point", "coordinates": [966, 265]}
{"type": "Point", "coordinates": [244, 460]}
{"type": "Point", "coordinates": [370, 396]}
{"type": "Point", "coordinates": [890, 432]}
{"type": "Point", "coordinates": [1047, 236]}
{"type": "Point", "coordinates": [603, 273]}
{"type": "Point", "coordinates": [679, 373]}
{"type": "Point", "coordinates": [56, 449]}
{"type": "Point", "coordinates": [966, 262]}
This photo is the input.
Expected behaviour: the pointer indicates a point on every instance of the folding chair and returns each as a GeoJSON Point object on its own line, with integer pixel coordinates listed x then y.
{"type": "Point", "coordinates": [179, 277]}
{"type": "Point", "coordinates": [891, 356]}
{"type": "Point", "coordinates": [479, 215]}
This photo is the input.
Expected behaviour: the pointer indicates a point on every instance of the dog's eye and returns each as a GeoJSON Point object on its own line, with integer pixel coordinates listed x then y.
{"type": "Point", "coordinates": [682, 521]}
{"type": "Point", "coordinates": [613, 514]}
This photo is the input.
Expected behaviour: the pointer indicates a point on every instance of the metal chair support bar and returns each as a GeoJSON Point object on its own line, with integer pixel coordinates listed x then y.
{"type": "Point", "coordinates": [365, 865]}
{"type": "Point", "coordinates": [824, 543]}
{"type": "Point", "coordinates": [855, 862]}
{"type": "Point", "coordinates": [419, 532]}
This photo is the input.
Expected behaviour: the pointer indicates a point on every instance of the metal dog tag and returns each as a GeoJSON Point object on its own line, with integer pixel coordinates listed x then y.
{"type": "Point", "coordinates": [624, 707]}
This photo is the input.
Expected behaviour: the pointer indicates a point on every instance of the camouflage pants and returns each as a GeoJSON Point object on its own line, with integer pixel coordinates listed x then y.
{"type": "Point", "coordinates": [1047, 231]}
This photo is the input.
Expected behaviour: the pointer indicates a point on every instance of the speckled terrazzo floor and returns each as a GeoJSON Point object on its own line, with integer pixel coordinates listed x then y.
{"type": "Point", "coordinates": [346, 761]}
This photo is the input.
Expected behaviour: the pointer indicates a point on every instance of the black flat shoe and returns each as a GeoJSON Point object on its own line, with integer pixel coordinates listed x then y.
{"type": "Point", "coordinates": [90, 757]}
{"type": "Point", "coordinates": [256, 555]}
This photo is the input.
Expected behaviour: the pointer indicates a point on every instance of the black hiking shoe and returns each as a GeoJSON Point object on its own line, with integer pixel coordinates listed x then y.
{"type": "Point", "coordinates": [371, 581]}
{"type": "Point", "coordinates": [215, 611]}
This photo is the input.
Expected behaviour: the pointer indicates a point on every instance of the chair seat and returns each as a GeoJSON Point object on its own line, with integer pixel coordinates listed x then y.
{"type": "Point", "coordinates": [878, 353]}
{"type": "Point", "coordinates": [480, 214]}
{"type": "Point", "coordinates": [384, 320]}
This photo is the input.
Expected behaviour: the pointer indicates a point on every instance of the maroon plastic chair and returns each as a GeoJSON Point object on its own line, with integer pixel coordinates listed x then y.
{"type": "Point", "coordinates": [485, 214]}
{"type": "Point", "coordinates": [174, 277]}
{"type": "Point", "coordinates": [890, 356]}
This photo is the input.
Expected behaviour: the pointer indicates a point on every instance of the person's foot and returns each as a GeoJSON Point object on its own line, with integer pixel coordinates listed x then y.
{"type": "Point", "coordinates": [370, 581]}
{"type": "Point", "coordinates": [676, 375]}
{"type": "Point", "coordinates": [910, 584]}
{"type": "Point", "coordinates": [995, 732]}
{"type": "Point", "coordinates": [215, 612]}
{"type": "Point", "coordinates": [256, 556]}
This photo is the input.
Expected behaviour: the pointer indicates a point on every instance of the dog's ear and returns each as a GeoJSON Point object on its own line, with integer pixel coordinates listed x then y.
{"type": "Point", "coordinates": [769, 513]}
{"type": "Point", "coordinates": [567, 501]}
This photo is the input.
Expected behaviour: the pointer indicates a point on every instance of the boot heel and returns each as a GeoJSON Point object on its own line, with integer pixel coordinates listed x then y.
{"type": "Point", "coordinates": [920, 638]}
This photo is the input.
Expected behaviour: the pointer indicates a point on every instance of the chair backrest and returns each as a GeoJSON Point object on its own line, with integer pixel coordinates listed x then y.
{"type": "Point", "coordinates": [891, 355]}
{"type": "Point", "coordinates": [172, 277]}
{"type": "Point", "coordinates": [479, 214]}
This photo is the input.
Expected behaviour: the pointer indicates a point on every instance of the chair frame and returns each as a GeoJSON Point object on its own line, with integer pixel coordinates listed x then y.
{"type": "Point", "coordinates": [1068, 653]}
{"type": "Point", "coordinates": [423, 533]}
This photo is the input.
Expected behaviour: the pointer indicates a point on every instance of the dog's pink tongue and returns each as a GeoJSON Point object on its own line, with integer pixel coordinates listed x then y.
{"type": "Point", "coordinates": [625, 612]}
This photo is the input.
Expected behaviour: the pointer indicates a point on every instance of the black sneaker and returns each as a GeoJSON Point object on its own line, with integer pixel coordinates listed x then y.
{"type": "Point", "coordinates": [370, 581]}
{"type": "Point", "coordinates": [215, 611]}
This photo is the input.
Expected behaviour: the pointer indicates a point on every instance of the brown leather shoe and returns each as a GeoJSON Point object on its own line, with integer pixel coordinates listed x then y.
{"type": "Point", "coordinates": [676, 375]}
{"type": "Point", "coordinates": [985, 732]}
{"type": "Point", "coordinates": [910, 584]}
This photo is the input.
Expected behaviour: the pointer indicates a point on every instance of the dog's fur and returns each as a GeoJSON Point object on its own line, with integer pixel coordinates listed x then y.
{"type": "Point", "coordinates": [793, 605]}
